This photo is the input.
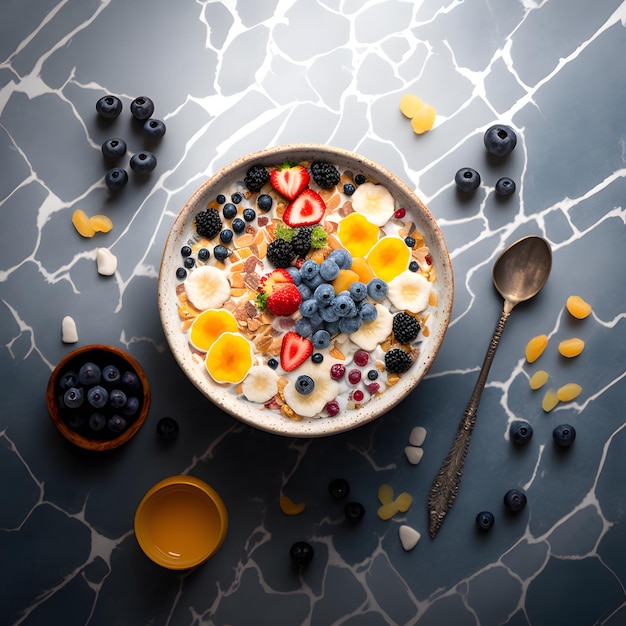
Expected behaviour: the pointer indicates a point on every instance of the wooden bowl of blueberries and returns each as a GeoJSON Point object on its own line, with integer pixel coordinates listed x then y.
{"type": "Point", "coordinates": [98, 397]}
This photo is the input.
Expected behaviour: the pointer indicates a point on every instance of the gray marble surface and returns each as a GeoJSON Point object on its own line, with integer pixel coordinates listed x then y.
{"type": "Point", "coordinates": [229, 78]}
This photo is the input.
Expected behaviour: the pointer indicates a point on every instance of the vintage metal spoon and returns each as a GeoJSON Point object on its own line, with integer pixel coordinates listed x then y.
{"type": "Point", "coordinates": [519, 273]}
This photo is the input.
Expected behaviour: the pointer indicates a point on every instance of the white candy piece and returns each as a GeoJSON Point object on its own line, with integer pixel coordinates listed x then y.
{"type": "Point", "coordinates": [408, 537]}
{"type": "Point", "coordinates": [417, 436]}
{"type": "Point", "coordinates": [414, 454]}
{"type": "Point", "coordinates": [69, 334]}
{"type": "Point", "coordinates": [107, 262]}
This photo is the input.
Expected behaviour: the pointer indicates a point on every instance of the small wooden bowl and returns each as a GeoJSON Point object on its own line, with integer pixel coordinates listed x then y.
{"type": "Point", "coordinates": [82, 436]}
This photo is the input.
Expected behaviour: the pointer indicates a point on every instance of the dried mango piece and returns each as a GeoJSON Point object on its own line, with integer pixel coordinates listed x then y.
{"type": "Point", "coordinates": [535, 347]}
{"type": "Point", "coordinates": [424, 119]}
{"type": "Point", "coordinates": [404, 501]}
{"type": "Point", "coordinates": [568, 392]}
{"type": "Point", "coordinates": [410, 104]}
{"type": "Point", "coordinates": [82, 223]}
{"type": "Point", "coordinates": [101, 223]}
{"type": "Point", "coordinates": [577, 307]}
{"type": "Point", "coordinates": [385, 494]}
{"type": "Point", "coordinates": [538, 379]}
{"type": "Point", "coordinates": [387, 511]}
{"type": "Point", "coordinates": [550, 400]}
{"type": "Point", "coordinates": [289, 507]}
{"type": "Point", "coordinates": [571, 347]}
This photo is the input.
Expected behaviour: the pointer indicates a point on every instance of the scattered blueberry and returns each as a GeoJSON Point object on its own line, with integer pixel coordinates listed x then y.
{"type": "Point", "coordinates": [339, 488]}
{"type": "Point", "coordinates": [143, 162]}
{"type": "Point", "coordinates": [372, 374]}
{"type": "Point", "coordinates": [97, 421]}
{"type": "Point", "coordinates": [359, 179]}
{"type": "Point", "coordinates": [304, 384]}
{"type": "Point", "coordinates": [249, 215]}
{"type": "Point", "coordinates": [273, 363]}
{"type": "Point", "coordinates": [153, 129]}
{"type": "Point", "coordinates": [109, 107]}
{"type": "Point", "coordinates": [354, 512]}
{"type": "Point", "coordinates": [189, 262]}
{"type": "Point", "coordinates": [181, 273]}
{"type": "Point", "coordinates": [130, 380]}
{"type": "Point", "coordinates": [514, 500]}
{"type": "Point", "coordinates": [114, 148]}
{"type": "Point", "coordinates": [564, 435]}
{"type": "Point", "coordinates": [186, 251]}
{"type": "Point", "coordinates": [414, 266]}
{"type": "Point", "coordinates": [236, 197]}
{"type": "Point", "coordinates": [301, 553]}
{"type": "Point", "coordinates": [97, 396]}
{"type": "Point", "coordinates": [229, 210]}
{"type": "Point", "coordinates": [500, 139]}
{"type": "Point", "coordinates": [221, 198]}
{"type": "Point", "coordinates": [116, 178]}
{"type": "Point", "coordinates": [117, 398]}
{"type": "Point", "coordinates": [264, 202]}
{"type": "Point", "coordinates": [409, 241]}
{"type": "Point", "coordinates": [89, 374]}
{"type": "Point", "coordinates": [238, 225]}
{"type": "Point", "coordinates": [167, 428]}
{"type": "Point", "coordinates": [116, 424]}
{"type": "Point", "coordinates": [317, 358]}
{"type": "Point", "coordinates": [204, 254]}
{"type": "Point", "coordinates": [142, 108]}
{"type": "Point", "coordinates": [220, 253]}
{"type": "Point", "coordinates": [226, 236]}
{"type": "Point", "coordinates": [349, 189]}
{"type": "Point", "coordinates": [520, 431]}
{"type": "Point", "coordinates": [505, 186]}
{"type": "Point", "coordinates": [377, 289]}
{"type": "Point", "coordinates": [73, 397]}
{"type": "Point", "coordinates": [485, 520]}
{"type": "Point", "coordinates": [110, 374]}
{"type": "Point", "coordinates": [131, 407]}
{"type": "Point", "coordinates": [467, 179]}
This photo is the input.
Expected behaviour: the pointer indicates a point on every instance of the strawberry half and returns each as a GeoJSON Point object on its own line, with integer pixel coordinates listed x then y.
{"type": "Point", "coordinates": [307, 209]}
{"type": "Point", "coordinates": [294, 351]}
{"type": "Point", "coordinates": [284, 300]}
{"type": "Point", "coordinates": [290, 181]}
{"type": "Point", "coordinates": [273, 280]}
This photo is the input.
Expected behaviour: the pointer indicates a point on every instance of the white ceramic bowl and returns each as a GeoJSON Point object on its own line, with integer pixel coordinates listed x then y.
{"type": "Point", "coordinates": [182, 231]}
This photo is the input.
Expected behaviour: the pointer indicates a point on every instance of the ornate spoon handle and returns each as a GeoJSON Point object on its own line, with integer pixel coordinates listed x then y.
{"type": "Point", "coordinates": [446, 485]}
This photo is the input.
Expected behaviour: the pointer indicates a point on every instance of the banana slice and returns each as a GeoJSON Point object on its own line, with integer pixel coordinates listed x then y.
{"type": "Point", "coordinates": [261, 384]}
{"type": "Point", "coordinates": [324, 390]}
{"type": "Point", "coordinates": [409, 291]}
{"type": "Point", "coordinates": [207, 288]}
{"type": "Point", "coordinates": [374, 333]}
{"type": "Point", "coordinates": [375, 202]}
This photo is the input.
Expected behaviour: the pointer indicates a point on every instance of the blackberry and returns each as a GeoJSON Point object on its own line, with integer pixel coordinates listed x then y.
{"type": "Point", "coordinates": [405, 327]}
{"type": "Point", "coordinates": [397, 361]}
{"type": "Point", "coordinates": [301, 241]}
{"type": "Point", "coordinates": [325, 174]}
{"type": "Point", "coordinates": [208, 223]}
{"type": "Point", "coordinates": [256, 177]}
{"type": "Point", "coordinates": [280, 253]}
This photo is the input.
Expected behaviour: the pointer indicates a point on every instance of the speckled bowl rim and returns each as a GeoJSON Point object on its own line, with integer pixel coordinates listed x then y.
{"type": "Point", "coordinates": [268, 420]}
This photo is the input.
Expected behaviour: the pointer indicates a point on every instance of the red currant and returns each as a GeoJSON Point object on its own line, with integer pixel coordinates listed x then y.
{"type": "Point", "coordinates": [337, 371]}
{"type": "Point", "coordinates": [399, 214]}
{"type": "Point", "coordinates": [354, 376]}
{"type": "Point", "coordinates": [373, 388]}
{"type": "Point", "coordinates": [357, 395]}
{"type": "Point", "coordinates": [361, 358]}
{"type": "Point", "coordinates": [332, 408]}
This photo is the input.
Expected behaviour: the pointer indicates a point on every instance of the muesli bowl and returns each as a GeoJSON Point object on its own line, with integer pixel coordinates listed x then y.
{"type": "Point", "coordinates": [237, 350]}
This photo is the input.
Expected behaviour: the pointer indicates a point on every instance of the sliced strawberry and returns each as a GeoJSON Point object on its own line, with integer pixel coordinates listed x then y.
{"type": "Point", "coordinates": [294, 351]}
{"type": "Point", "coordinates": [307, 209]}
{"type": "Point", "coordinates": [275, 278]}
{"type": "Point", "coordinates": [284, 300]}
{"type": "Point", "coordinates": [290, 181]}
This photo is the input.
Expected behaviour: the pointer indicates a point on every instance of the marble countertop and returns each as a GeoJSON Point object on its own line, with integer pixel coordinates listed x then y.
{"type": "Point", "coordinates": [229, 78]}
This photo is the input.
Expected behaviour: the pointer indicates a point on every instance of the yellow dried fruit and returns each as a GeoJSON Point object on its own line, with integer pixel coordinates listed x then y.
{"type": "Point", "coordinates": [389, 257]}
{"type": "Point", "coordinates": [101, 223]}
{"type": "Point", "coordinates": [538, 379]}
{"type": "Point", "coordinates": [550, 400]}
{"type": "Point", "coordinates": [535, 347]}
{"type": "Point", "coordinates": [404, 501]}
{"type": "Point", "coordinates": [209, 325]}
{"type": "Point", "coordinates": [289, 507]}
{"type": "Point", "coordinates": [568, 392]}
{"type": "Point", "coordinates": [410, 104]}
{"type": "Point", "coordinates": [82, 223]}
{"type": "Point", "coordinates": [577, 307]}
{"type": "Point", "coordinates": [571, 347]}
{"type": "Point", "coordinates": [424, 119]}
{"type": "Point", "coordinates": [229, 359]}
{"type": "Point", "coordinates": [357, 234]}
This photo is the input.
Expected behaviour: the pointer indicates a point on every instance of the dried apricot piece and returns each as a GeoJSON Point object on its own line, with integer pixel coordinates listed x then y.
{"type": "Point", "coordinates": [289, 507]}
{"type": "Point", "coordinates": [577, 307]}
{"type": "Point", "coordinates": [568, 392]}
{"type": "Point", "coordinates": [535, 347]}
{"type": "Point", "coordinates": [101, 223]}
{"type": "Point", "coordinates": [82, 223]}
{"type": "Point", "coordinates": [538, 379]}
{"type": "Point", "coordinates": [362, 268]}
{"type": "Point", "coordinates": [571, 347]}
{"type": "Point", "coordinates": [344, 279]}
{"type": "Point", "coordinates": [550, 400]}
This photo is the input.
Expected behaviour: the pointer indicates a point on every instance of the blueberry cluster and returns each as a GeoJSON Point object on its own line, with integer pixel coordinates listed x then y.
{"type": "Point", "coordinates": [99, 402]}
{"type": "Point", "coordinates": [143, 162]}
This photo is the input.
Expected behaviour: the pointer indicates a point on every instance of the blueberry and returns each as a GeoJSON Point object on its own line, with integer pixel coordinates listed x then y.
{"type": "Point", "coordinates": [305, 291]}
{"type": "Point", "coordinates": [514, 500]}
{"type": "Point", "coordinates": [342, 257]}
{"type": "Point", "coordinates": [204, 254]}
{"type": "Point", "coordinates": [189, 262]}
{"type": "Point", "coordinates": [309, 307]}
{"type": "Point", "coordinates": [372, 374]}
{"type": "Point", "coordinates": [264, 202]}
{"type": "Point", "coordinates": [142, 108]}
{"type": "Point", "coordinates": [520, 431]}
{"type": "Point", "coordinates": [304, 384]}
{"type": "Point", "coordinates": [505, 186]}
{"type": "Point", "coordinates": [350, 325]}
{"type": "Point", "coordinates": [467, 179]}
{"type": "Point", "coordinates": [377, 289]}
{"type": "Point", "coordinates": [321, 339]}
{"type": "Point", "coordinates": [500, 139]}
{"type": "Point", "coordinates": [414, 266]}
{"type": "Point", "coordinates": [301, 553]}
{"type": "Point", "coordinates": [226, 236]}
{"type": "Point", "coordinates": [68, 379]}
{"type": "Point", "coordinates": [89, 374]}
{"type": "Point", "coordinates": [143, 162]}
{"type": "Point", "coordinates": [167, 428]}
{"type": "Point", "coordinates": [131, 407]}
{"type": "Point", "coordinates": [317, 357]}
{"type": "Point", "coordinates": [186, 251]}
{"type": "Point", "coordinates": [117, 398]}
{"type": "Point", "coordinates": [324, 294]}
{"type": "Point", "coordinates": [229, 210]}
{"type": "Point", "coordinates": [154, 129]}
{"type": "Point", "coordinates": [564, 435]}
{"type": "Point", "coordinates": [485, 520]}
{"type": "Point", "coordinates": [368, 312]}
{"type": "Point", "coordinates": [238, 225]}
{"type": "Point", "coordinates": [110, 374]}
{"type": "Point", "coordinates": [344, 306]}
{"type": "Point", "coordinates": [349, 189]}
{"type": "Point", "coordinates": [113, 148]}
{"type": "Point", "coordinates": [181, 273]}
{"type": "Point", "coordinates": [130, 380]}
{"type": "Point", "coordinates": [221, 198]}
{"type": "Point", "coordinates": [116, 424]}
{"type": "Point", "coordinates": [220, 253]}
{"type": "Point", "coordinates": [410, 242]}
{"type": "Point", "coordinates": [109, 107]}
{"type": "Point", "coordinates": [75, 420]}
{"type": "Point", "coordinates": [358, 291]}
{"type": "Point", "coordinates": [97, 396]}
{"type": "Point", "coordinates": [339, 488]}
{"type": "Point", "coordinates": [273, 363]}
{"type": "Point", "coordinates": [249, 215]}
{"type": "Point", "coordinates": [303, 327]}
{"type": "Point", "coordinates": [73, 397]}
{"type": "Point", "coordinates": [116, 178]}
{"type": "Point", "coordinates": [329, 270]}
{"type": "Point", "coordinates": [359, 179]}
{"type": "Point", "coordinates": [309, 270]}
{"type": "Point", "coordinates": [354, 512]}
{"type": "Point", "coordinates": [97, 421]}
{"type": "Point", "coordinates": [294, 272]}
{"type": "Point", "coordinates": [236, 197]}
